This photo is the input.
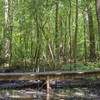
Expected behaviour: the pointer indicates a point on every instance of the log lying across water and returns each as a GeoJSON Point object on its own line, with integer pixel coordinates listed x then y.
{"type": "Point", "coordinates": [20, 84]}
{"type": "Point", "coordinates": [65, 83]}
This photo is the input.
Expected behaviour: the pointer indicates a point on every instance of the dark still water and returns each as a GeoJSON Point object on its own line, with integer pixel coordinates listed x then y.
{"type": "Point", "coordinates": [55, 94]}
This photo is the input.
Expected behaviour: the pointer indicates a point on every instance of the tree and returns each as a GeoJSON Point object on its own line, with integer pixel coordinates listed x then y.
{"type": "Point", "coordinates": [70, 50]}
{"type": "Point", "coordinates": [7, 46]}
{"type": "Point", "coordinates": [52, 33]}
{"type": "Point", "coordinates": [56, 29]}
{"type": "Point", "coordinates": [75, 36]}
{"type": "Point", "coordinates": [85, 44]}
{"type": "Point", "coordinates": [91, 31]}
{"type": "Point", "coordinates": [97, 3]}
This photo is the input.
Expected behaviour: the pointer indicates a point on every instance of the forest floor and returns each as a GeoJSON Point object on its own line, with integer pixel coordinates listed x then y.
{"type": "Point", "coordinates": [58, 66]}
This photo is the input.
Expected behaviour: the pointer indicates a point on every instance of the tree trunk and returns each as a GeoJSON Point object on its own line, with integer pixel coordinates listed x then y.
{"type": "Point", "coordinates": [7, 46]}
{"type": "Point", "coordinates": [97, 3]}
{"type": "Point", "coordinates": [70, 43]}
{"type": "Point", "coordinates": [91, 31]}
{"type": "Point", "coordinates": [61, 38]}
{"type": "Point", "coordinates": [65, 39]}
{"type": "Point", "coordinates": [85, 45]}
{"type": "Point", "coordinates": [56, 31]}
{"type": "Point", "coordinates": [75, 36]}
{"type": "Point", "coordinates": [38, 47]}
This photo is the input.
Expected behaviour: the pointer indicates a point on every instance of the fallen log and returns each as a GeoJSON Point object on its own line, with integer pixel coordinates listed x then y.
{"type": "Point", "coordinates": [66, 83]}
{"type": "Point", "coordinates": [20, 84]}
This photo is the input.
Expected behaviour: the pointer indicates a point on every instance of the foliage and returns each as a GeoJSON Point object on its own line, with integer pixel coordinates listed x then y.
{"type": "Point", "coordinates": [32, 33]}
{"type": "Point", "coordinates": [83, 66]}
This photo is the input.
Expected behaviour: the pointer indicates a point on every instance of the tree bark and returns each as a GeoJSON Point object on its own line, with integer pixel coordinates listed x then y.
{"type": "Point", "coordinates": [56, 31]}
{"type": "Point", "coordinates": [85, 45]}
{"type": "Point", "coordinates": [97, 3]}
{"type": "Point", "coordinates": [70, 48]}
{"type": "Point", "coordinates": [75, 36]}
{"type": "Point", "coordinates": [61, 38]}
{"type": "Point", "coordinates": [7, 46]}
{"type": "Point", "coordinates": [38, 47]}
{"type": "Point", "coordinates": [91, 31]}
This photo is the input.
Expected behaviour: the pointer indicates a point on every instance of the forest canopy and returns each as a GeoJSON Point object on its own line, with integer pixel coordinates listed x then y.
{"type": "Point", "coordinates": [50, 34]}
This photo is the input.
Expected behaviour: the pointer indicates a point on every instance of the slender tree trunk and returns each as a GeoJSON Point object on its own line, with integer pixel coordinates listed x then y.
{"type": "Point", "coordinates": [38, 47]}
{"type": "Point", "coordinates": [75, 36]}
{"type": "Point", "coordinates": [25, 47]}
{"type": "Point", "coordinates": [7, 46]}
{"type": "Point", "coordinates": [70, 43]}
{"type": "Point", "coordinates": [11, 15]}
{"type": "Point", "coordinates": [65, 38]}
{"type": "Point", "coordinates": [11, 31]}
{"type": "Point", "coordinates": [91, 31]}
{"type": "Point", "coordinates": [97, 3]}
{"type": "Point", "coordinates": [56, 30]}
{"type": "Point", "coordinates": [32, 48]}
{"type": "Point", "coordinates": [61, 38]}
{"type": "Point", "coordinates": [85, 45]}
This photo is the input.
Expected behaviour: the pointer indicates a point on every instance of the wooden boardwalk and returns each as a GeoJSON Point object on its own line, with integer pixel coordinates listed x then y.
{"type": "Point", "coordinates": [49, 75]}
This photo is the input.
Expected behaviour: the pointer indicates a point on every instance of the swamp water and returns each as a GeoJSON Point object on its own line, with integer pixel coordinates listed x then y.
{"type": "Point", "coordinates": [55, 94]}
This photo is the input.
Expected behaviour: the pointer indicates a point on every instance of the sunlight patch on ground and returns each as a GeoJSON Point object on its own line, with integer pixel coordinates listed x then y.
{"type": "Point", "coordinates": [78, 94]}
{"type": "Point", "coordinates": [23, 97]}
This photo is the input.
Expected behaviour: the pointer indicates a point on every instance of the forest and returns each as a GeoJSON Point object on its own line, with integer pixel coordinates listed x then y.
{"type": "Point", "coordinates": [49, 35]}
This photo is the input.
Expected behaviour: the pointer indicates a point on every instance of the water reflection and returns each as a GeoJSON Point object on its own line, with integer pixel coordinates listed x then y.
{"type": "Point", "coordinates": [55, 94]}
